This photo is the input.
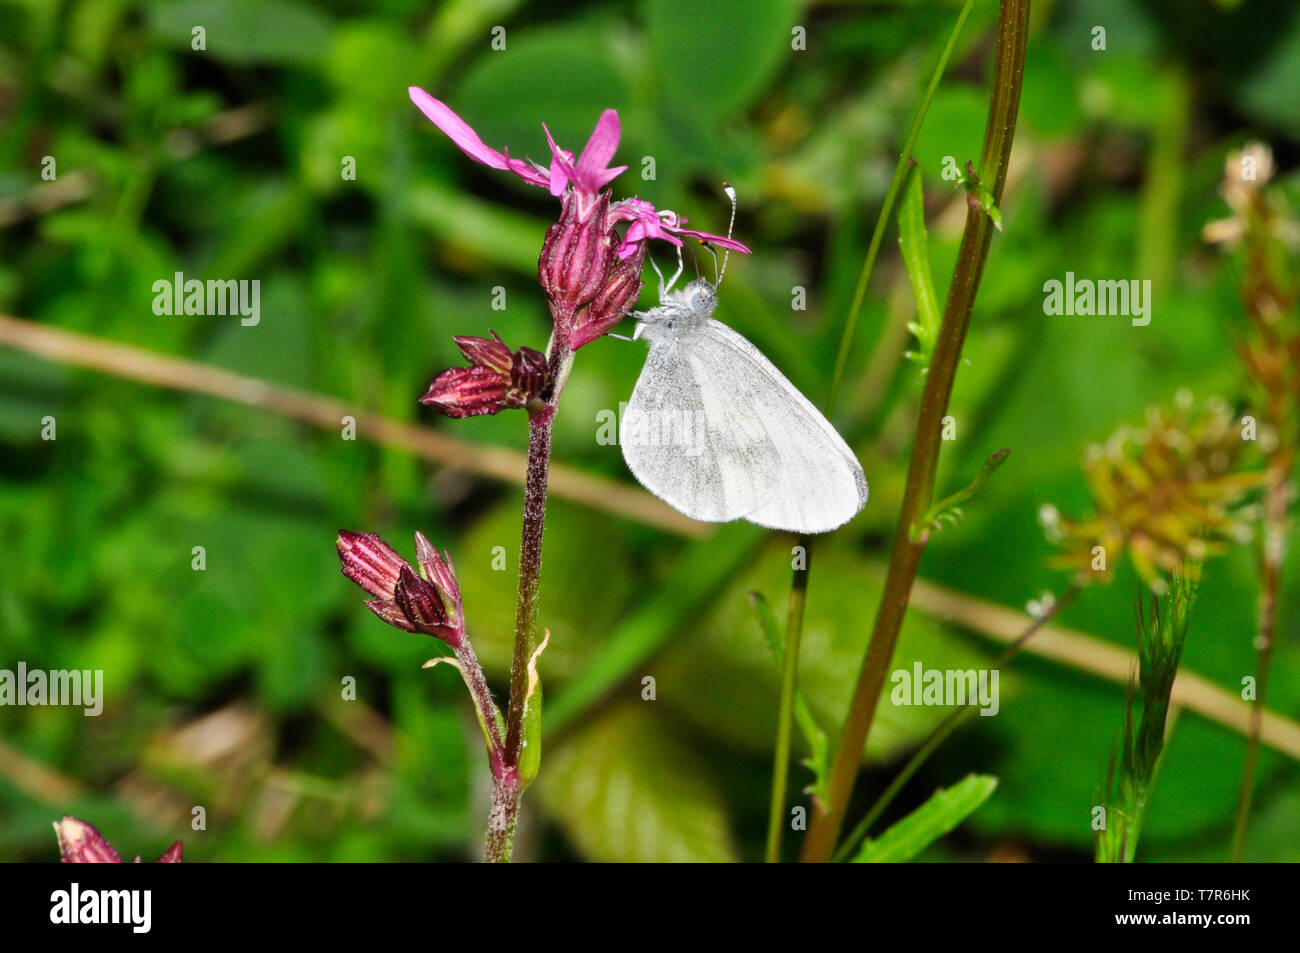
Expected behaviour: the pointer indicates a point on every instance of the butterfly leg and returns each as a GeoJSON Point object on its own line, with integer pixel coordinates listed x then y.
{"type": "Point", "coordinates": [676, 274]}
{"type": "Point", "coordinates": [662, 290]}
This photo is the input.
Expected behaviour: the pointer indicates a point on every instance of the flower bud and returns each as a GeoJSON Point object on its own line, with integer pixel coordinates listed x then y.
{"type": "Point", "coordinates": [499, 379]}
{"type": "Point", "coordinates": [577, 254]}
{"type": "Point", "coordinates": [427, 604]}
{"type": "Point", "coordinates": [80, 843]}
{"type": "Point", "coordinates": [615, 299]}
{"type": "Point", "coordinates": [491, 352]}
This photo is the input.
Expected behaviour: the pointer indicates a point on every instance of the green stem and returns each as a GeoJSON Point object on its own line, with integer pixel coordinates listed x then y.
{"type": "Point", "coordinates": [785, 717]}
{"type": "Point", "coordinates": [882, 221]}
{"type": "Point", "coordinates": [799, 585]}
{"type": "Point", "coordinates": [1013, 29]}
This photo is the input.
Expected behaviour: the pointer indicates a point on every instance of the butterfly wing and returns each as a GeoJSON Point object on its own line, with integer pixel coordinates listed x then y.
{"type": "Point", "coordinates": [693, 443]}
{"type": "Point", "coordinates": [819, 483]}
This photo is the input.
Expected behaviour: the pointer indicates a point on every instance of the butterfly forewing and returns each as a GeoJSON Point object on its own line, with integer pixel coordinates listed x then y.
{"type": "Point", "coordinates": [700, 454]}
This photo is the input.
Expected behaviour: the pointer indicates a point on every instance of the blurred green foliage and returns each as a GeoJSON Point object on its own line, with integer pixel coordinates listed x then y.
{"type": "Point", "coordinates": [223, 686]}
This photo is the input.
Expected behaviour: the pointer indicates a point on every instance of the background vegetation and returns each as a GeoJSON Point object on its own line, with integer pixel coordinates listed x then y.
{"type": "Point", "coordinates": [223, 686]}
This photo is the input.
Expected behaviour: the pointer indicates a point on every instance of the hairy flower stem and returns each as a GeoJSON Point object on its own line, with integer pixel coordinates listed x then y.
{"type": "Point", "coordinates": [507, 788]}
{"type": "Point", "coordinates": [503, 817]}
{"type": "Point", "coordinates": [1013, 30]}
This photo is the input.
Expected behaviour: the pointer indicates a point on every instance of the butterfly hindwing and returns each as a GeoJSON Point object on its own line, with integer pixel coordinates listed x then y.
{"type": "Point", "coordinates": [698, 453]}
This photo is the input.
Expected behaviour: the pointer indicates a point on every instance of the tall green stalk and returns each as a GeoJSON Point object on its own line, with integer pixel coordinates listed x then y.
{"type": "Point", "coordinates": [799, 585]}
{"type": "Point", "coordinates": [1013, 30]}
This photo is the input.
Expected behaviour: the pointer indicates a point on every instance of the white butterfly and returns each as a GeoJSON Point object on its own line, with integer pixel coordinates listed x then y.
{"type": "Point", "coordinates": [717, 432]}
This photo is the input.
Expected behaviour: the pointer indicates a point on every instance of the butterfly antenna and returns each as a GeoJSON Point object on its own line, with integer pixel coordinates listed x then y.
{"type": "Point", "coordinates": [708, 246]}
{"type": "Point", "coordinates": [726, 252]}
{"type": "Point", "coordinates": [695, 261]}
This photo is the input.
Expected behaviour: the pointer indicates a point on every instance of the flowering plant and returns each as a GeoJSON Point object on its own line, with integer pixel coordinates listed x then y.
{"type": "Point", "coordinates": [590, 271]}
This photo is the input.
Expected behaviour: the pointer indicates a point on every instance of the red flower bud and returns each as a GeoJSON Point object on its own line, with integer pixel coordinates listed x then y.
{"type": "Point", "coordinates": [612, 303]}
{"type": "Point", "coordinates": [370, 562]}
{"type": "Point", "coordinates": [80, 843]}
{"type": "Point", "coordinates": [577, 254]}
{"type": "Point", "coordinates": [486, 352]}
{"type": "Point", "coordinates": [405, 599]}
{"type": "Point", "coordinates": [499, 379]}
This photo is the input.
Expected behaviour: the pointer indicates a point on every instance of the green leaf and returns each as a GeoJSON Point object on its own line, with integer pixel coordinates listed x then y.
{"type": "Point", "coordinates": [724, 681]}
{"type": "Point", "coordinates": [245, 31]}
{"type": "Point", "coordinates": [719, 56]}
{"type": "Point", "coordinates": [530, 758]}
{"type": "Point", "coordinates": [949, 508]}
{"type": "Point", "coordinates": [914, 241]}
{"type": "Point", "coordinates": [945, 809]}
{"type": "Point", "coordinates": [701, 571]}
{"type": "Point", "coordinates": [627, 790]}
{"type": "Point", "coordinates": [501, 236]}
{"type": "Point", "coordinates": [564, 77]}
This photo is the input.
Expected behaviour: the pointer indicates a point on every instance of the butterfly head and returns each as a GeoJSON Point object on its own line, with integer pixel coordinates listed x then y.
{"type": "Point", "coordinates": [694, 303]}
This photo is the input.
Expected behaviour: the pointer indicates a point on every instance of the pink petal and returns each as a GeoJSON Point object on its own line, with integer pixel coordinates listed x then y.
{"type": "Point", "coordinates": [600, 148]}
{"type": "Point", "coordinates": [562, 170]}
{"type": "Point", "coordinates": [457, 129]}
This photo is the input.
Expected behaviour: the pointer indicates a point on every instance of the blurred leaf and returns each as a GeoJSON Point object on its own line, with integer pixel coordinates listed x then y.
{"type": "Point", "coordinates": [564, 77]}
{"type": "Point", "coordinates": [717, 674]}
{"type": "Point", "coordinates": [718, 56]}
{"type": "Point", "coordinates": [818, 760]}
{"type": "Point", "coordinates": [492, 231]}
{"type": "Point", "coordinates": [245, 31]}
{"type": "Point", "coordinates": [627, 791]}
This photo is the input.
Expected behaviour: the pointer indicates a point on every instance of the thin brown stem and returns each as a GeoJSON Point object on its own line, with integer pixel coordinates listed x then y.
{"type": "Point", "coordinates": [1275, 515]}
{"type": "Point", "coordinates": [1013, 28]}
{"type": "Point", "coordinates": [327, 413]}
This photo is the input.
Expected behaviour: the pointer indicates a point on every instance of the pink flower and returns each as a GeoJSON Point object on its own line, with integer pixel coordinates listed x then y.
{"type": "Point", "coordinates": [586, 177]}
{"type": "Point", "coordinates": [647, 222]}
{"type": "Point", "coordinates": [80, 843]}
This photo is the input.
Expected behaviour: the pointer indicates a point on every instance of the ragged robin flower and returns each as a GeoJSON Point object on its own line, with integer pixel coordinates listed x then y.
{"type": "Point", "coordinates": [427, 602]}
{"type": "Point", "coordinates": [589, 270]}
{"type": "Point", "coordinates": [1168, 493]}
{"type": "Point", "coordinates": [80, 843]}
